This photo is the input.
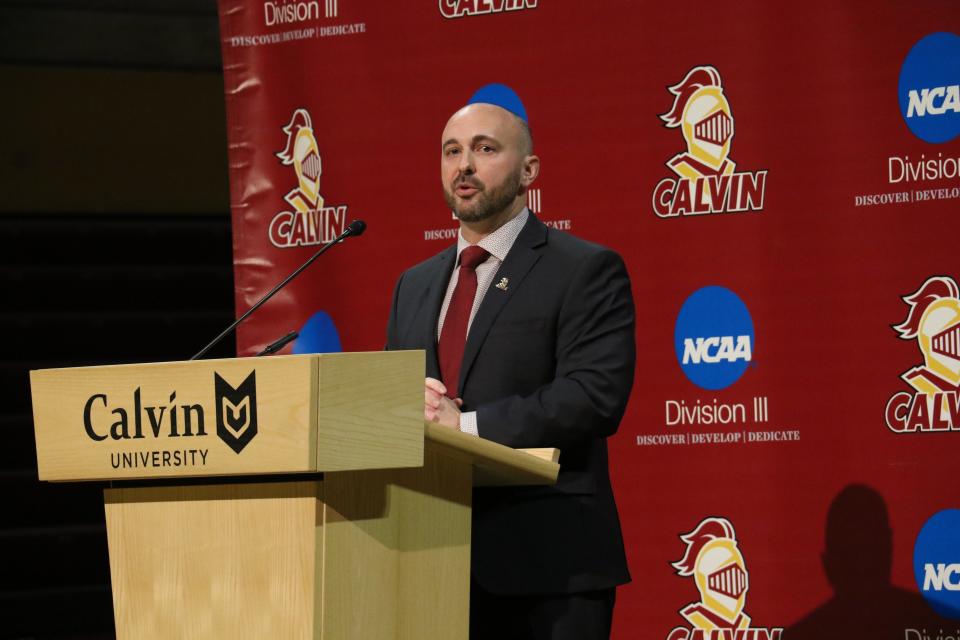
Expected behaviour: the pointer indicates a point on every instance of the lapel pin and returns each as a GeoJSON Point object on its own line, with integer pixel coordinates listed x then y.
{"type": "Point", "coordinates": [502, 285]}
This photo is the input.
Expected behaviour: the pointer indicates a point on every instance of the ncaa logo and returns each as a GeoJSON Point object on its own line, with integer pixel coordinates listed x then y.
{"type": "Point", "coordinates": [936, 563]}
{"type": "Point", "coordinates": [714, 338]}
{"type": "Point", "coordinates": [929, 88]}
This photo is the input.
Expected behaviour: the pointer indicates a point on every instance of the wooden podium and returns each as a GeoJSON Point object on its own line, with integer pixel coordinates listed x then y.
{"type": "Point", "coordinates": [283, 497]}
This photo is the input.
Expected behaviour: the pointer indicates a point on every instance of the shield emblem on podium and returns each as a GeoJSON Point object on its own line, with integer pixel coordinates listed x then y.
{"type": "Point", "coordinates": [236, 411]}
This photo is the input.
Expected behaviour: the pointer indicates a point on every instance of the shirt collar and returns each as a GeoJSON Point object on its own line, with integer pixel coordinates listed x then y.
{"type": "Point", "coordinates": [499, 243]}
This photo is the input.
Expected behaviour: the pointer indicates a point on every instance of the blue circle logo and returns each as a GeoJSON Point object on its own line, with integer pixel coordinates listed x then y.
{"type": "Point", "coordinates": [318, 335]}
{"type": "Point", "coordinates": [713, 338]}
{"type": "Point", "coordinates": [929, 88]}
{"type": "Point", "coordinates": [936, 563]}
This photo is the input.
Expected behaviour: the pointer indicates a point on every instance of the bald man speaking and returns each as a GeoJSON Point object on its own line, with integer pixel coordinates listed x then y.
{"type": "Point", "coordinates": [529, 334]}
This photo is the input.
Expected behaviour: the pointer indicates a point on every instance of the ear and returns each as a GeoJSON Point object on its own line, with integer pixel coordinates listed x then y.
{"type": "Point", "coordinates": [531, 169]}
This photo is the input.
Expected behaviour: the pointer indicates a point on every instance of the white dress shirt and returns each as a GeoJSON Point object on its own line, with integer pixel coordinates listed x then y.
{"type": "Point", "coordinates": [498, 245]}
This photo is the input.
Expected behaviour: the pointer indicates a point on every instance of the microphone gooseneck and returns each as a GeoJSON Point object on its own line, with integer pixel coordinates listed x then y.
{"type": "Point", "coordinates": [355, 228]}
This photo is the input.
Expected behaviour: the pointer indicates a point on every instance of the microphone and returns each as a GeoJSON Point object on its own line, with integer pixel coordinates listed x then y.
{"type": "Point", "coordinates": [275, 346]}
{"type": "Point", "coordinates": [355, 228]}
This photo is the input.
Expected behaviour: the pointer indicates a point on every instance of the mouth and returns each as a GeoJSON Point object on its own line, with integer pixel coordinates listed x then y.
{"type": "Point", "coordinates": [465, 189]}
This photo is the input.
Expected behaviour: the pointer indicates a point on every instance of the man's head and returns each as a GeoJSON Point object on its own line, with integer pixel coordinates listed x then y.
{"type": "Point", "coordinates": [487, 160]}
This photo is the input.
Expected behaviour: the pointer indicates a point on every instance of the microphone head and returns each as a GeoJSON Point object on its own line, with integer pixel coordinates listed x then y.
{"type": "Point", "coordinates": [357, 227]}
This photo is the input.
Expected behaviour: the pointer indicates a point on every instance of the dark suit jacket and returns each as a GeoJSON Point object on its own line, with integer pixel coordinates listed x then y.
{"type": "Point", "coordinates": [548, 363]}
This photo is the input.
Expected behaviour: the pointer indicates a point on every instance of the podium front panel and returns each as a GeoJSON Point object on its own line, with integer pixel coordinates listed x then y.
{"type": "Point", "coordinates": [200, 418]}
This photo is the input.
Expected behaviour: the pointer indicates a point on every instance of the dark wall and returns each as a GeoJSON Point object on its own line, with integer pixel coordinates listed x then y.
{"type": "Point", "coordinates": [126, 141]}
{"type": "Point", "coordinates": [115, 247]}
{"type": "Point", "coordinates": [111, 106]}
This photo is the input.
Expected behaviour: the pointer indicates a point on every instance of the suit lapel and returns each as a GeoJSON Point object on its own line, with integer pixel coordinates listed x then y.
{"type": "Point", "coordinates": [433, 301]}
{"type": "Point", "coordinates": [520, 260]}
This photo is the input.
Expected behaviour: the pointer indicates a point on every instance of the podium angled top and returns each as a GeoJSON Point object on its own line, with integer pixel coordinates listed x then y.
{"type": "Point", "coordinates": [494, 464]}
{"type": "Point", "coordinates": [244, 416]}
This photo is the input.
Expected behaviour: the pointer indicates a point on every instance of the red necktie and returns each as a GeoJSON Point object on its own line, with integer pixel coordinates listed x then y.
{"type": "Point", "coordinates": [453, 337]}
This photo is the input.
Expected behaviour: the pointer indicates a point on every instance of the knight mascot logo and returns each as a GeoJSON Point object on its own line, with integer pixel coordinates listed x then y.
{"type": "Point", "coordinates": [707, 181]}
{"type": "Point", "coordinates": [933, 320]}
{"type": "Point", "coordinates": [713, 559]}
{"type": "Point", "coordinates": [310, 222]}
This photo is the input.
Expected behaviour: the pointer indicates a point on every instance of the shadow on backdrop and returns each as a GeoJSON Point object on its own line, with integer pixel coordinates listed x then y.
{"type": "Point", "coordinates": [857, 560]}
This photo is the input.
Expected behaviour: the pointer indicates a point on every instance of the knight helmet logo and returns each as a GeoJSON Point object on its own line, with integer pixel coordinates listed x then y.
{"type": "Point", "coordinates": [719, 571]}
{"type": "Point", "coordinates": [302, 152]}
{"type": "Point", "coordinates": [712, 557]}
{"type": "Point", "coordinates": [707, 180]}
{"type": "Point", "coordinates": [934, 322]}
{"type": "Point", "coordinates": [236, 411]}
{"type": "Point", "coordinates": [309, 221]}
{"type": "Point", "coordinates": [702, 113]}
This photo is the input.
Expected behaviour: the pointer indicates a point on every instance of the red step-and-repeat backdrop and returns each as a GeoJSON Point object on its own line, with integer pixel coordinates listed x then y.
{"type": "Point", "coordinates": [782, 180]}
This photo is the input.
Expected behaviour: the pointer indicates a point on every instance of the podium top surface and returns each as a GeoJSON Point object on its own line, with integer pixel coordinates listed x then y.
{"type": "Point", "coordinates": [495, 464]}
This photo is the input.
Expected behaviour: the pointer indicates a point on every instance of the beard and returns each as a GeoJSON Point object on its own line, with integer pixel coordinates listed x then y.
{"type": "Point", "coordinates": [486, 203]}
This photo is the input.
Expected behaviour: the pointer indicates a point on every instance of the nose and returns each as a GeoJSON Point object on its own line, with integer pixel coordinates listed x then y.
{"type": "Point", "coordinates": [465, 166]}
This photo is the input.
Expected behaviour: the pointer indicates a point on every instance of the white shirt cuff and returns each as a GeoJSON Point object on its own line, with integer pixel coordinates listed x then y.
{"type": "Point", "coordinates": [468, 423]}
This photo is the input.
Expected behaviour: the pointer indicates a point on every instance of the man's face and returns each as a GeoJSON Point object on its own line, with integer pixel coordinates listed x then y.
{"type": "Point", "coordinates": [482, 160]}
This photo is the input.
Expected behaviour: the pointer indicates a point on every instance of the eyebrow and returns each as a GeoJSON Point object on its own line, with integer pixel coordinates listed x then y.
{"type": "Point", "coordinates": [477, 138]}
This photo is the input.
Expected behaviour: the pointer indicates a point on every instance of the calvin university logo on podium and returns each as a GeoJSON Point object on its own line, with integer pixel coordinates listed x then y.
{"type": "Point", "coordinates": [236, 410]}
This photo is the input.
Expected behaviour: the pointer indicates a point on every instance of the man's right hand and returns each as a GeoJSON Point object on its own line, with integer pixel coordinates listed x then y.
{"type": "Point", "coordinates": [437, 407]}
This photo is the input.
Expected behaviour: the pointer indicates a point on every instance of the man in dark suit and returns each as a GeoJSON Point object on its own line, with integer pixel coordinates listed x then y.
{"type": "Point", "coordinates": [529, 334]}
